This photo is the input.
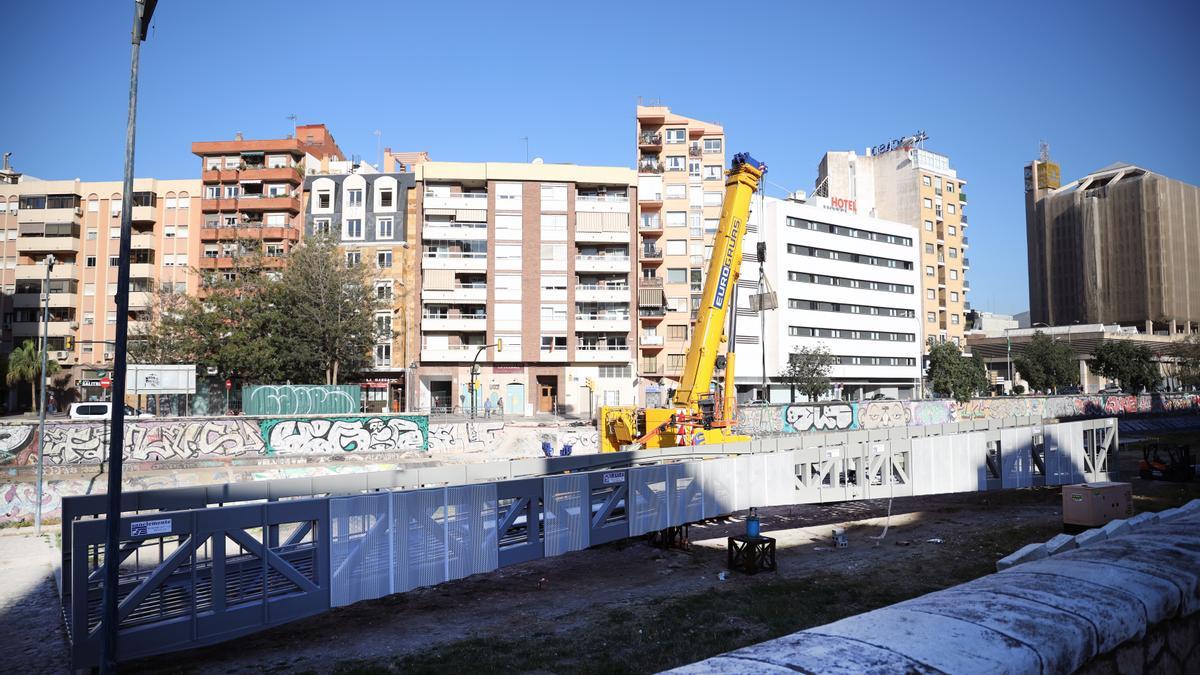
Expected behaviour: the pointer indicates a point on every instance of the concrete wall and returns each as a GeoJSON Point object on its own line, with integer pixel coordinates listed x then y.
{"type": "Point", "coordinates": [1125, 603]}
{"type": "Point", "coordinates": [847, 416]}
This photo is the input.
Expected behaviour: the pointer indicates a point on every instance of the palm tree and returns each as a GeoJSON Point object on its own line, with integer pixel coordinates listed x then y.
{"type": "Point", "coordinates": [25, 363]}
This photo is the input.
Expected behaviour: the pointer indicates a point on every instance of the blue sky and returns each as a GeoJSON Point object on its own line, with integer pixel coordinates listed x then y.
{"type": "Point", "coordinates": [1101, 81]}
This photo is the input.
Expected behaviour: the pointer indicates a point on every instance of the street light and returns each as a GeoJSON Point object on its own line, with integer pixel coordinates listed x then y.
{"type": "Point", "coordinates": [475, 369]}
{"type": "Point", "coordinates": [37, 517]}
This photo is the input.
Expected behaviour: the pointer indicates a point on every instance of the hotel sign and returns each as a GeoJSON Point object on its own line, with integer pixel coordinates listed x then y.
{"type": "Point", "coordinates": [895, 144]}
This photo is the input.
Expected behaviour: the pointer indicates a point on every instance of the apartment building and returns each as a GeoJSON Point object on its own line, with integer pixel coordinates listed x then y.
{"type": "Point", "coordinates": [370, 215]}
{"type": "Point", "coordinates": [844, 280]}
{"type": "Point", "coordinates": [1117, 246]}
{"type": "Point", "coordinates": [525, 273]}
{"type": "Point", "coordinates": [79, 223]}
{"type": "Point", "coordinates": [902, 182]}
{"type": "Point", "coordinates": [680, 167]}
{"type": "Point", "coordinates": [252, 194]}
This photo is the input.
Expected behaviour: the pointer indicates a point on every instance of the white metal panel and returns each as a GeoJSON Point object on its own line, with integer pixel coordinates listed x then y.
{"type": "Point", "coordinates": [717, 481]}
{"type": "Point", "coordinates": [649, 495]}
{"type": "Point", "coordinates": [360, 548]}
{"type": "Point", "coordinates": [1016, 453]}
{"type": "Point", "coordinates": [923, 451]}
{"type": "Point", "coordinates": [566, 516]}
{"type": "Point", "coordinates": [780, 468]}
{"type": "Point", "coordinates": [471, 530]}
{"type": "Point", "coordinates": [424, 562]}
{"type": "Point", "coordinates": [686, 493]}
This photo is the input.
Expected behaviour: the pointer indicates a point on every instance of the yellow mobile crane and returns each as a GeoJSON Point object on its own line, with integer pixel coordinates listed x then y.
{"type": "Point", "coordinates": [697, 415]}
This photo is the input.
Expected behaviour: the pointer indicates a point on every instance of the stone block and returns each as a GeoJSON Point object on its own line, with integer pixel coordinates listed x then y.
{"type": "Point", "coordinates": [1060, 543]}
{"type": "Point", "coordinates": [1142, 520]}
{"type": "Point", "coordinates": [1093, 536]}
{"type": "Point", "coordinates": [1169, 515]}
{"type": "Point", "coordinates": [1024, 554]}
{"type": "Point", "coordinates": [1116, 528]}
{"type": "Point", "coordinates": [807, 653]}
{"type": "Point", "coordinates": [1159, 597]}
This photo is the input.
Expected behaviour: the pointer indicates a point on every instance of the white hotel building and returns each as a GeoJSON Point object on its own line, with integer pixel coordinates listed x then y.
{"type": "Point", "coordinates": [843, 280]}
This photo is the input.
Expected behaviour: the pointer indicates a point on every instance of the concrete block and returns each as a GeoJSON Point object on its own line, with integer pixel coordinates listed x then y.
{"type": "Point", "coordinates": [1142, 520]}
{"type": "Point", "coordinates": [1060, 543]}
{"type": "Point", "coordinates": [1024, 554]}
{"type": "Point", "coordinates": [1171, 514]}
{"type": "Point", "coordinates": [1159, 597]}
{"type": "Point", "coordinates": [1173, 558]}
{"type": "Point", "coordinates": [1092, 536]}
{"type": "Point", "coordinates": [807, 653]}
{"type": "Point", "coordinates": [947, 644]}
{"type": "Point", "coordinates": [1116, 528]}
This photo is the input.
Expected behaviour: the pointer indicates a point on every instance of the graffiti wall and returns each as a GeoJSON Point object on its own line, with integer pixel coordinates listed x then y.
{"type": "Point", "coordinates": [345, 434]}
{"type": "Point", "coordinates": [300, 399]}
{"type": "Point", "coordinates": [846, 416]}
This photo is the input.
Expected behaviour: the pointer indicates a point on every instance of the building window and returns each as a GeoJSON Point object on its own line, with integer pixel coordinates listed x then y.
{"type": "Point", "coordinates": [928, 203]}
{"type": "Point", "coordinates": [929, 317]}
{"type": "Point", "coordinates": [928, 271]}
{"type": "Point", "coordinates": [385, 198]}
{"type": "Point", "coordinates": [89, 289]}
{"type": "Point", "coordinates": [925, 181]}
{"type": "Point", "coordinates": [953, 252]}
{"type": "Point", "coordinates": [712, 198]}
{"type": "Point", "coordinates": [952, 230]}
{"type": "Point", "coordinates": [321, 226]}
{"type": "Point", "coordinates": [324, 198]}
{"type": "Point", "coordinates": [712, 145]}
{"type": "Point", "coordinates": [693, 169]}
{"type": "Point", "coordinates": [950, 208]}
{"type": "Point", "coordinates": [954, 319]}
{"type": "Point", "coordinates": [676, 275]}
{"type": "Point", "coordinates": [383, 228]}
{"type": "Point", "coordinates": [274, 250]}
{"type": "Point", "coordinates": [353, 258]}
{"type": "Point", "coordinates": [552, 343]}
{"type": "Point", "coordinates": [712, 172]}
{"type": "Point", "coordinates": [953, 296]}
{"type": "Point", "coordinates": [231, 191]}
{"type": "Point", "coordinates": [211, 163]}
{"type": "Point", "coordinates": [929, 226]}
{"type": "Point", "coordinates": [383, 290]}
{"type": "Point", "coordinates": [929, 248]}
{"type": "Point", "coordinates": [383, 259]}
{"type": "Point", "coordinates": [353, 229]}
{"type": "Point", "coordinates": [212, 192]}
{"type": "Point", "coordinates": [675, 163]}
{"type": "Point", "coordinates": [89, 318]}
{"type": "Point", "coordinates": [676, 135]}
{"type": "Point", "coordinates": [930, 294]}
{"type": "Point", "coordinates": [354, 197]}
{"type": "Point", "coordinates": [383, 356]}
{"type": "Point", "coordinates": [90, 261]}
{"type": "Point", "coordinates": [110, 318]}
{"type": "Point", "coordinates": [953, 274]}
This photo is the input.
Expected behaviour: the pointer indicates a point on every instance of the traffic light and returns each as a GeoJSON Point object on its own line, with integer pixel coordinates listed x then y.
{"type": "Point", "coordinates": [591, 384]}
{"type": "Point", "coordinates": [69, 343]}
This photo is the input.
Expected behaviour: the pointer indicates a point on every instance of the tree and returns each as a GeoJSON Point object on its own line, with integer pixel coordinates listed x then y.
{"type": "Point", "coordinates": [25, 363]}
{"type": "Point", "coordinates": [1186, 364]}
{"type": "Point", "coordinates": [326, 314]}
{"type": "Point", "coordinates": [1131, 365]}
{"type": "Point", "coordinates": [808, 370]}
{"type": "Point", "coordinates": [1048, 364]}
{"type": "Point", "coordinates": [953, 375]}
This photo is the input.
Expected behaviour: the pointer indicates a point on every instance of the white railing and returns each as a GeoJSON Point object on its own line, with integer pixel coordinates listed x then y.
{"type": "Point", "coordinates": [602, 348]}
{"type": "Point", "coordinates": [457, 195]}
{"type": "Point", "coordinates": [598, 287]}
{"type": "Point", "coordinates": [602, 258]}
{"type": "Point", "coordinates": [459, 317]}
{"type": "Point", "coordinates": [652, 340]}
{"type": "Point", "coordinates": [456, 254]}
{"type": "Point", "coordinates": [471, 225]}
{"type": "Point", "coordinates": [602, 317]}
{"type": "Point", "coordinates": [623, 199]}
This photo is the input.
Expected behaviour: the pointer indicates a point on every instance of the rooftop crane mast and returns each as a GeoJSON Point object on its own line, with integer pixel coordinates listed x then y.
{"type": "Point", "coordinates": [697, 416]}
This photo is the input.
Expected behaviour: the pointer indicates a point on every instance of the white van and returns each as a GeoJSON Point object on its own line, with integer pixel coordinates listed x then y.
{"type": "Point", "coordinates": [101, 410]}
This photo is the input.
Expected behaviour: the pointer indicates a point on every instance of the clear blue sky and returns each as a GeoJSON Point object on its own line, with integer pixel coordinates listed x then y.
{"type": "Point", "coordinates": [1101, 81]}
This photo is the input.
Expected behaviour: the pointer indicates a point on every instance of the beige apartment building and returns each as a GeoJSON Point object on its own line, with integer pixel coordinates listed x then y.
{"type": "Point", "coordinates": [525, 267]}
{"type": "Point", "coordinates": [79, 224]}
{"type": "Point", "coordinates": [681, 183]}
{"type": "Point", "coordinates": [902, 182]}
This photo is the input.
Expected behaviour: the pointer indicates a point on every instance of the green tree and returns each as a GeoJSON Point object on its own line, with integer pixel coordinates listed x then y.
{"type": "Point", "coordinates": [25, 363]}
{"type": "Point", "coordinates": [325, 311]}
{"type": "Point", "coordinates": [953, 375]}
{"type": "Point", "coordinates": [1186, 361]}
{"type": "Point", "coordinates": [1048, 364]}
{"type": "Point", "coordinates": [1131, 365]}
{"type": "Point", "coordinates": [808, 369]}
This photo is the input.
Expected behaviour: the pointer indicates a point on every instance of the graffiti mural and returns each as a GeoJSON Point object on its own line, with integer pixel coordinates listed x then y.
{"type": "Point", "coordinates": [297, 399]}
{"type": "Point", "coordinates": [842, 416]}
{"type": "Point", "coordinates": [345, 434]}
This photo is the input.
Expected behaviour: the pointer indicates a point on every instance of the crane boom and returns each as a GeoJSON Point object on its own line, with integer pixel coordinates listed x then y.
{"type": "Point", "coordinates": [724, 268]}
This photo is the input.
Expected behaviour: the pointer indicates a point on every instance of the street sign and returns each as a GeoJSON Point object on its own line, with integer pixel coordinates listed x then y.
{"type": "Point", "coordinates": [105, 382]}
{"type": "Point", "coordinates": [228, 385]}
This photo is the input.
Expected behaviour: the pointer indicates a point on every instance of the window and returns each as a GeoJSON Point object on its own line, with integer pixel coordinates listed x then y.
{"type": "Point", "coordinates": [233, 162]}
{"type": "Point", "coordinates": [354, 197]}
{"type": "Point", "coordinates": [953, 296]}
{"type": "Point", "coordinates": [712, 145]}
{"type": "Point", "coordinates": [925, 180]}
{"type": "Point", "coordinates": [385, 198]}
{"type": "Point", "coordinates": [710, 225]}
{"type": "Point", "coordinates": [952, 230]}
{"type": "Point", "coordinates": [383, 228]}
{"type": "Point", "coordinates": [615, 372]}
{"type": "Point", "coordinates": [554, 227]}
{"type": "Point", "coordinates": [949, 186]}
{"type": "Point", "coordinates": [551, 343]}
{"type": "Point", "coordinates": [277, 161]}
{"type": "Point", "coordinates": [676, 191]}
{"type": "Point", "coordinates": [675, 163]}
{"type": "Point", "coordinates": [953, 252]}
{"type": "Point", "coordinates": [929, 226]}
{"type": "Point", "coordinates": [274, 250]}
{"type": "Point", "coordinates": [89, 261]}
{"type": "Point", "coordinates": [928, 270]}
{"type": "Point", "coordinates": [353, 258]}
{"type": "Point", "coordinates": [677, 275]}
{"type": "Point", "coordinates": [383, 259]}
{"type": "Point", "coordinates": [231, 191]}
{"type": "Point", "coordinates": [321, 225]}
{"type": "Point", "coordinates": [89, 289]}
{"type": "Point", "coordinates": [114, 260]}
{"type": "Point", "coordinates": [111, 318]}
{"type": "Point", "coordinates": [92, 234]}
{"type": "Point", "coordinates": [693, 169]}
{"type": "Point", "coordinates": [324, 197]}
{"type": "Point", "coordinates": [930, 318]}
{"type": "Point", "coordinates": [954, 319]}
{"type": "Point", "coordinates": [950, 208]}
{"type": "Point", "coordinates": [383, 290]}
{"type": "Point", "coordinates": [212, 192]}
{"type": "Point", "coordinates": [928, 203]}
{"type": "Point", "coordinates": [676, 247]}
{"type": "Point", "coordinates": [353, 229]}
{"type": "Point", "coordinates": [929, 248]}
{"type": "Point", "coordinates": [277, 219]}
{"type": "Point", "coordinates": [383, 356]}
{"type": "Point", "coordinates": [930, 294]}
{"type": "Point", "coordinates": [712, 198]}
{"type": "Point", "coordinates": [230, 221]}
{"type": "Point", "coordinates": [676, 135]}
{"type": "Point", "coordinates": [211, 163]}
{"type": "Point", "coordinates": [712, 172]}
{"type": "Point", "coordinates": [89, 318]}
{"type": "Point", "coordinates": [676, 218]}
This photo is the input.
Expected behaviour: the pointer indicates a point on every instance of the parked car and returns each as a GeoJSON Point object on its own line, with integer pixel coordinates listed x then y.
{"type": "Point", "coordinates": [101, 410]}
{"type": "Point", "coordinates": [1111, 390]}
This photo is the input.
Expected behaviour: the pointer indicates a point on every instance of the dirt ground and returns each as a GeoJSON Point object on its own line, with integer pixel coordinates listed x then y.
{"type": "Point", "coordinates": [632, 607]}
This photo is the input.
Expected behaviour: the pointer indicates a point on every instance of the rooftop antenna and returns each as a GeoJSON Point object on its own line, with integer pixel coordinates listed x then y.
{"type": "Point", "coordinates": [378, 149]}
{"type": "Point", "coordinates": [1044, 151]}
{"type": "Point", "coordinates": [292, 117]}
{"type": "Point", "coordinates": [526, 139]}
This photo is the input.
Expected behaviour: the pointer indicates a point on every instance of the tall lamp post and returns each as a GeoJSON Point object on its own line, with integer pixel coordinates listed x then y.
{"type": "Point", "coordinates": [37, 517]}
{"type": "Point", "coordinates": [143, 11]}
{"type": "Point", "coordinates": [475, 370]}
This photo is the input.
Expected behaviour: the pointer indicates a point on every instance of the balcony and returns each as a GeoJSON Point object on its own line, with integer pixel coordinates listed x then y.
{"type": "Point", "coordinates": [602, 293]}
{"type": "Point", "coordinates": [962, 196]}
{"type": "Point", "coordinates": [38, 272]}
{"type": "Point", "coordinates": [447, 260]}
{"type": "Point", "coordinates": [254, 230]}
{"type": "Point", "coordinates": [966, 241]}
{"type": "Point", "coordinates": [143, 214]}
{"type": "Point", "coordinates": [966, 263]}
{"type": "Point", "coordinates": [650, 369]}
{"type": "Point", "coordinates": [966, 285]}
{"type": "Point", "coordinates": [601, 204]}
{"type": "Point", "coordinates": [601, 354]}
{"type": "Point", "coordinates": [251, 203]}
{"type": "Point", "coordinates": [70, 214]}
{"type": "Point", "coordinates": [140, 300]}
{"type": "Point", "coordinates": [454, 231]}
{"type": "Point", "coordinates": [284, 174]}
{"type": "Point", "coordinates": [651, 342]}
{"type": "Point", "coordinates": [650, 282]}
{"type": "Point", "coordinates": [607, 323]}
{"type": "Point", "coordinates": [602, 236]}
{"type": "Point", "coordinates": [47, 244]}
{"type": "Point", "coordinates": [553, 355]}
{"type": "Point", "coordinates": [650, 314]}
{"type": "Point", "coordinates": [963, 219]}
{"type": "Point", "coordinates": [34, 328]}
{"type": "Point", "coordinates": [26, 300]}
{"type": "Point", "coordinates": [645, 166]}
{"type": "Point", "coordinates": [141, 241]}
{"type": "Point", "coordinates": [463, 323]}
{"type": "Point", "coordinates": [462, 294]}
{"type": "Point", "coordinates": [602, 263]}
{"type": "Point", "coordinates": [141, 270]}
{"type": "Point", "coordinates": [453, 353]}
{"type": "Point", "coordinates": [651, 254]}
{"type": "Point", "coordinates": [649, 140]}
{"type": "Point", "coordinates": [460, 200]}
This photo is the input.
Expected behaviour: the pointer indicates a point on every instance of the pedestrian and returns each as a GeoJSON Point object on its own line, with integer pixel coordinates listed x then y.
{"type": "Point", "coordinates": [52, 405]}
{"type": "Point", "coordinates": [487, 407]}
{"type": "Point", "coordinates": [500, 407]}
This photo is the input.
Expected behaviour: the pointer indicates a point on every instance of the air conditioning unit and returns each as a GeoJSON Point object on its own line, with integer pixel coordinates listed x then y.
{"type": "Point", "coordinates": [62, 356]}
{"type": "Point", "coordinates": [108, 356]}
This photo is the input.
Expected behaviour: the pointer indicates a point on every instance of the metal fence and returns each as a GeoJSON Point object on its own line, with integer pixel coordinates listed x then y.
{"type": "Point", "coordinates": [203, 565]}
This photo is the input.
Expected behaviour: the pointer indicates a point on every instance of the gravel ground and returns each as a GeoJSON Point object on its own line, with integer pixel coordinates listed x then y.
{"type": "Point", "coordinates": [30, 616]}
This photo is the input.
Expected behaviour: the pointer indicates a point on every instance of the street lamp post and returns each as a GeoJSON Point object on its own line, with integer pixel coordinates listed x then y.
{"type": "Point", "coordinates": [37, 517]}
{"type": "Point", "coordinates": [499, 345]}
